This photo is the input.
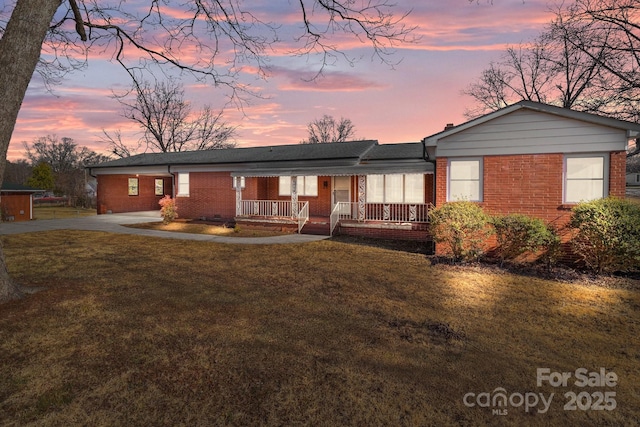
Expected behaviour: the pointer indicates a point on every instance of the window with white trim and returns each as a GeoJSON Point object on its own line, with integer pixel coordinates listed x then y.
{"type": "Point", "coordinates": [464, 180]}
{"type": "Point", "coordinates": [183, 184]}
{"type": "Point", "coordinates": [159, 187]}
{"type": "Point", "coordinates": [133, 186]}
{"type": "Point", "coordinates": [234, 179]}
{"type": "Point", "coordinates": [585, 177]}
{"type": "Point", "coordinates": [306, 185]}
{"type": "Point", "coordinates": [395, 188]}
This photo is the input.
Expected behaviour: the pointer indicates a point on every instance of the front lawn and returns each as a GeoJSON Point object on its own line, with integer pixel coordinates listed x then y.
{"type": "Point", "coordinates": [61, 212]}
{"type": "Point", "coordinates": [134, 330]}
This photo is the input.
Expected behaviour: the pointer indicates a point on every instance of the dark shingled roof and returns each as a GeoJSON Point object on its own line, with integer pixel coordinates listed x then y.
{"type": "Point", "coordinates": [410, 150]}
{"type": "Point", "coordinates": [276, 153]}
{"type": "Point", "coordinates": [15, 188]}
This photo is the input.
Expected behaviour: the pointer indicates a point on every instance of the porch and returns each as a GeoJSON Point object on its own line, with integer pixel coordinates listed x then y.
{"type": "Point", "coordinates": [294, 216]}
{"type": "Point", "coordinates": [333, 204]}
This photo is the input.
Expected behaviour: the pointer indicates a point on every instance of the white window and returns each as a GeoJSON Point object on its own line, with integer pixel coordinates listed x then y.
{"type": "Point", "coordinates": [306, 186]}
{"type": "Point", "coordinates": [234, 179]}
{"type": "Point", "coordinates": [585, 177]}
{"type": "Point", "coordinates": [395, 188]}
{"type": "Point", "coordinates": [183, 184]}
{"type": "Point", "coordinates": [465, 180]}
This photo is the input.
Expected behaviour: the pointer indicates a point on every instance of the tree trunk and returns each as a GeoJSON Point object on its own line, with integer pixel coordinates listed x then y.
{"type": "Point", "coordinates": [20, 48]}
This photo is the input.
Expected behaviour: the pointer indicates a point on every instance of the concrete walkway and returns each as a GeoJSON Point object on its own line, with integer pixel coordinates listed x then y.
{"type": "Point", "coordinates": [114, 223]}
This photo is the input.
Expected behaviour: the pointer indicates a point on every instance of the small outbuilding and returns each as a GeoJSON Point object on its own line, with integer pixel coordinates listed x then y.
{"type": "Point", "coordinates": [16, 202]}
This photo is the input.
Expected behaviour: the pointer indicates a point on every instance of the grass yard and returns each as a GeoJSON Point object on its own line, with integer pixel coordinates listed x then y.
{"type": "Point", "coordinates": [60, 212]}
{"type": "Point", "coordinates": [203, 228]}
{"type": "Point", "coordinates": [133, 330]}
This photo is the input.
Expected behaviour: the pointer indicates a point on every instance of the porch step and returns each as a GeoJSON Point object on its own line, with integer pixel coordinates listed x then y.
{"type": "Point", "coordinates": [319, 227]}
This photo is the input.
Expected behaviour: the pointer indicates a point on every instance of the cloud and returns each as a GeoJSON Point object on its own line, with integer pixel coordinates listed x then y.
{"type": "Point", "coordinates": [328, 81]}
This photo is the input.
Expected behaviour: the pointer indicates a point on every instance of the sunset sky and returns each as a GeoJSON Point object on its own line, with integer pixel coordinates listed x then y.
{"type": "Point", "coordinates": [413, 100]}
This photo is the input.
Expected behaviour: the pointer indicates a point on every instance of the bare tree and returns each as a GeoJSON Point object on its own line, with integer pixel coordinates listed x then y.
{"type": "Point", "coordinates": [611, 38]}
{"type": "Point", "coordinates": [168, 123]}
{"type": "Point", "coordinates": [17, 172]}
{"type": "Point", "coordinates": [327, 130]}
{"type": "Point", "coordinates": [67, 162]}
{"type": "Point", "coordinates": [224, 34]}
{"type": "Point", "coordinates": [567, 65]}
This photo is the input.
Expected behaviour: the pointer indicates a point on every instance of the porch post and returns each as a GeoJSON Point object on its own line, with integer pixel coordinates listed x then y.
{"type": "Point", "coordinates": [362, 196]}
{"type": "Point", "coordinates": [238, 184]}
{"type": "Point", "coordinates": [294, 196]}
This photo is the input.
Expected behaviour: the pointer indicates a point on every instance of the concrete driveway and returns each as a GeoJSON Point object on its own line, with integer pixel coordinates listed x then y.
{"type": "Point", "coordinates": [114, 223]}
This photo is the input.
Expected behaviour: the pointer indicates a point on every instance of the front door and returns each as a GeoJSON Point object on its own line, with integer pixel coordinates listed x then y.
{"type": "Point", "coordinates": [342, 192]}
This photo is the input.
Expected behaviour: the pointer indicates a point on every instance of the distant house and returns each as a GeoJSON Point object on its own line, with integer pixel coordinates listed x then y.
{"type": "Point", "coordinates": [16, 202]}
{"type": "Point", "coordinates": [633, 169]}
{"type": "Point", "coordinates": [529, 158]}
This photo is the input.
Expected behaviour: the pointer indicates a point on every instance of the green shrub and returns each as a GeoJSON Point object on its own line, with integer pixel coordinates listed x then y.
{"type": "Point", "coordinates": [462, 227]}
{"type": "Point", "coordinates": [607, 234]}
{"type": "Point", "coordinates": [517, 234]}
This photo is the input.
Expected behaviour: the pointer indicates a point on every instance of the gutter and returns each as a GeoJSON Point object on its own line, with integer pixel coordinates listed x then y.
{"type": "Point", "coordinates": [173, 181]}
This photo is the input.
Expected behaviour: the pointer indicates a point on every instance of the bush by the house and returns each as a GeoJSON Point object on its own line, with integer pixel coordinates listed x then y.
{"type": "Point", "coordinates": [168, 210]}
{"type": "Point", "coordinates": [517, 234]}
{"type": "Point", "coordinates": [607, 234]}
{"type": "Point", "coordinates": [462, 227]}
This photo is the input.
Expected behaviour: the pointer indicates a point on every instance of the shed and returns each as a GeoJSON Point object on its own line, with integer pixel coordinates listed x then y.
{"type": "Point", "coordinates": [16, 202]}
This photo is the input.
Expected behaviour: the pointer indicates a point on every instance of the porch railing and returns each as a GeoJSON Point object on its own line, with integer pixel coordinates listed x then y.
{"type": "Point", "coordinates": [269, 208]}
{"type": "Point", "coordinates": [391, 212]}
{"type": "Point", "coordinates": [275, 209]}
{"type": "Point", "coordinates": [303, 216]}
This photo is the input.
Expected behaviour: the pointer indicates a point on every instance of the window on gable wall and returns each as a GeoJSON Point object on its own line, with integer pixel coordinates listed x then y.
{"type": "Point", "coordinates": [159, 186]}
{"type": "Point", "coordinates": [395, 188]}
{"type": "Point", "coordinates": [183, 184]}
{"type": "Point", "coordinates": [307, 186]}
{"type": "Point", "coordinates": [465, 180]}
{"type": "Point", "coordinates": [133, 186]}
{"type": "Point", "coordinates": [585, 177]}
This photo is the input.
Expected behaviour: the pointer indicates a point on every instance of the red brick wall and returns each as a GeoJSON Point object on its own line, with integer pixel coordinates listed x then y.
{"type": "Point", "coordinates": [417, 232]}
{"type": "Point", "coordinates": [113, 193]}
{"type": "Point", "coordinates": [529, 184]}
{"type": "Point", "coordinates": [211, 195]}
{"type": "Point", "coordinates": [617, 174]}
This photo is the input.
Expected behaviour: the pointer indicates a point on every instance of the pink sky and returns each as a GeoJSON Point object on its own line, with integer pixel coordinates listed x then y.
{"type": "Point", "coordinates": [415, 99]}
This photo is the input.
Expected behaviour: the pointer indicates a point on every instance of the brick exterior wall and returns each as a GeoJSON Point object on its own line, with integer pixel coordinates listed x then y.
{"type": "Point", "coordinates": [113, 193]}
{"type": "Point", "coordinates": [617, 174]}
{"type": "Point", "coordinates": [211, 195]}
{"type": "Point", "coordinates": [529, 184]}
{"type": "Point", "coordinates": [414, 232]}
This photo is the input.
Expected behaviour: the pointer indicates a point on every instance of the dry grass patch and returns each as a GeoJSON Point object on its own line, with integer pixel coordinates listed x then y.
{"type": "Point", "coordinates": [135, 330]}
{"type": "Point", "coordinates": [200, 228]}
{"type": "Point", "coordinates": [61, 212]}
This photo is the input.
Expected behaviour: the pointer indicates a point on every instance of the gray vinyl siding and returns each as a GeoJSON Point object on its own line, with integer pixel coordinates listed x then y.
{"type": "Point", "coordinates": [532, 132]}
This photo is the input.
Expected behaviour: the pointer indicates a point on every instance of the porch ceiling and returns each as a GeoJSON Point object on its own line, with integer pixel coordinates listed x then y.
{"type": "Point", "coordinates": [362, 169]}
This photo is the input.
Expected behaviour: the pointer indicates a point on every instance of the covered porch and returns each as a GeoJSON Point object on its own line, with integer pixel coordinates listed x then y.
{"type": "Point", "coordinates": [332, 204]}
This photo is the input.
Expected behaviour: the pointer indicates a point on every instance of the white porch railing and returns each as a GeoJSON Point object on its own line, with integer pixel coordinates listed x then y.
{"type": "Point", "coordinates": [275, 209]}
{"type": "Point", "coordinates": [270, 208]}
{"type": "Point", "coordinates": [391, 212]}
{"type": "Point", "coordinates": [303, 216]}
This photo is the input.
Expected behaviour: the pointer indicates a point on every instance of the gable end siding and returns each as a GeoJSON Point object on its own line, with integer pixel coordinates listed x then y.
{"type": "Point", "coordinates": [529, 132]}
